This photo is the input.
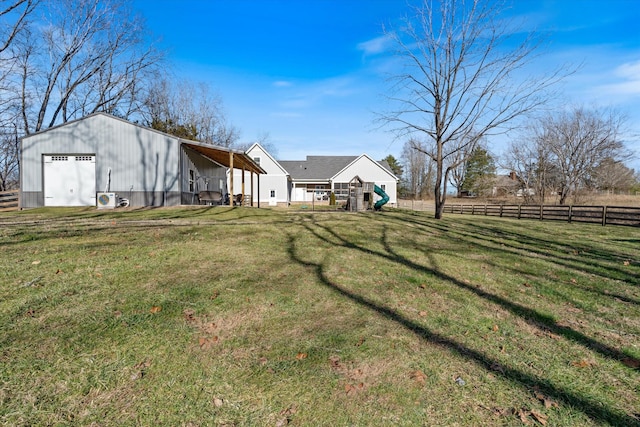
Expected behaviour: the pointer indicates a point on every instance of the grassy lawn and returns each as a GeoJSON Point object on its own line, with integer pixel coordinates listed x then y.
{"type": "Point", "coordinates": [236, 316]}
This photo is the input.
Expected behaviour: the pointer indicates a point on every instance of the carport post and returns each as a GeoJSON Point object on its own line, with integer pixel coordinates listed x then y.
{"type": "Point", "coordinates": [230, 189]}
{"type": "Point", "coordinates": [242, 200]}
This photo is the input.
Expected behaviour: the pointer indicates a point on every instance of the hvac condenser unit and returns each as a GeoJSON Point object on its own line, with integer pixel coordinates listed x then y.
{"type": "Point", "coordinates": [106, 200]}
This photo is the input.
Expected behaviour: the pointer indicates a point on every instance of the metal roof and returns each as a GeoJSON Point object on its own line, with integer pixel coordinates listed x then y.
{"type": "Point", "coordinates": [222, 155]}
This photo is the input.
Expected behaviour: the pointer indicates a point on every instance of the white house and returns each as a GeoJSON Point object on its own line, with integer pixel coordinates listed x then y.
{"type": "Point", "coordinates": [316, 177]}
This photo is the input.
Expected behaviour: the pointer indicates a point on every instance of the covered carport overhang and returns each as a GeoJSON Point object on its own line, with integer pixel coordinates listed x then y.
{"type": "Point", "coordinates": [232, 159]}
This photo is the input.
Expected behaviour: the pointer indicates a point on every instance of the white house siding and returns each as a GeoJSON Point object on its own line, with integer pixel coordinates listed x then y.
{"type": "Point", "coordinates": [275, 179]}
{"type": "Point", "coordinates": [143, 163]}
{"type": "Point", "coordinates": [370, 171]}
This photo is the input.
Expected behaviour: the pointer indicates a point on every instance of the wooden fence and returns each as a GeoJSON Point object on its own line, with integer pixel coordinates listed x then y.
{"type": "Point", "coordinates": [605, 215]}
{"type": "Point", "coordinates": [9, 199]}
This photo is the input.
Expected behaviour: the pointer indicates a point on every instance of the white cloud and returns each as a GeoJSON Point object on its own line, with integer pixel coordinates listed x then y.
{"type": "Point", "coordinates": [623, 81]}
{"type": "Point", "coordinates": [282, 83]}
{"type": "Point", "coordinates": [375, 46]}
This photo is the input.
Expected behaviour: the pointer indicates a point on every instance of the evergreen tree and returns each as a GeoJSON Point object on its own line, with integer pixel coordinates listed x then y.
{"type": "Point", "coordinates": [481, 169]}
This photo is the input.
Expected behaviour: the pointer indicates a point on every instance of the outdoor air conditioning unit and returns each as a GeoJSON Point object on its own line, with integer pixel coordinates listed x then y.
{"type": "Point", "coordinates": [106, 200]}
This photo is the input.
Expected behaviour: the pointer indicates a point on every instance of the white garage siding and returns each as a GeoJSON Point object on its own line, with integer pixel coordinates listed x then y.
{"type": "Point", "coordinates": [69, 180]}
{"type": "Point", "coordinates": [144, 164]}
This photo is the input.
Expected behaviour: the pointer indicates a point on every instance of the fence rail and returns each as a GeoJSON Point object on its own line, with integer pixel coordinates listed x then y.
{"type": "Point", "coordinates": [9, 199]}
{"type": "Point", "coordinates": [605, 215]}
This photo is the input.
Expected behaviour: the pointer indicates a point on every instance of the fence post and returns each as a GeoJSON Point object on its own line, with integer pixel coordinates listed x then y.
{"type": "Point", "coordinates": [541, 212]}
{"type": "Point", "coordinates": [519, 209]}
{"type": "Point", "coordinates": [485, 209]}
{"type": "Point", "coordinates": [501, 206]}
{"type": "Point", "coordinates": [604, 216]}
{"type": "Point", "coordinates": [473, 209]}
{"type": "Point", "coordinates": [570, 212]}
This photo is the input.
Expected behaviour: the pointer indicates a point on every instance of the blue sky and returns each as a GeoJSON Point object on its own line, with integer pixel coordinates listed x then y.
{"type": "Point", "coordinates": [311, 73]}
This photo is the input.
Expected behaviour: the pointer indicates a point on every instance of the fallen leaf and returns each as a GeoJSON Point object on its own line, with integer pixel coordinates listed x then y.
{"type": "Point", "coordinates": [495, 328]}
{"type": "Point", "coordinates": [215, 295]}
{"type": "Point", "coordinates": [423, 313]}
{"type": "Point", "coordinates": [574, 281]}
{"type": "Point", "coordinates": [418, 376]}
{"type": "Point", "coordinates": [626, 263]}
{"type": "Point", "coordinates": [98, 275]}
{"type": "Point", "coordinates": [360, 342]}
{"type": "Point", "coordinates": [541, 418]}
{"type": "Point", "coordinates": [523, 414]}
{"type": "Point", "coordinates": [263, 361]}
{"type": "Point", "coordinates": [583, 363]}
{"type": "Point", "coordinates": [548, 403]}
{"type": "Point", "coordinates": [301, 356]}
{"type": "Point", "coordinates": [58, 271]}
{"type": "Point", "coordinates": [206, 342]}
{"type": "Point", "coordinates": [155, 309]}
{"type": "Point", "coordinates": [282, 422]}
{"type": "Point", "coordinates": [35, 262]}
{"type": "Point", "coordinates": [217, 402]}
{"type": "Point", "coordinates": [292, 409]}
{"type": "Point", "coordinates": [353, 389]}
{"type": "Point", "coordinates": [209, 327]}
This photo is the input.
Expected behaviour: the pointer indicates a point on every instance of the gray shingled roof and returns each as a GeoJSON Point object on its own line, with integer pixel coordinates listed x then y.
{"type": "Point", "coordinates": [316, 167]}
{"type": "Point", "coordinates": [321, 168]}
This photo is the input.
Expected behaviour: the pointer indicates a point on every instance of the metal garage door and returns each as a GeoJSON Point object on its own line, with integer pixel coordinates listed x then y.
{"type": "Point", "coordinates": [70, 180]}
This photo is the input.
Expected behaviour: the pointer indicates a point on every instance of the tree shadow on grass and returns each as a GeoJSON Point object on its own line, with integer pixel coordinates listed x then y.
{"type": "Point", "coordinates": [543, 322]}
{"type": "Point", "coordinates": [519, 242]}
{"type": "Point", "coordinates": [487, 240]}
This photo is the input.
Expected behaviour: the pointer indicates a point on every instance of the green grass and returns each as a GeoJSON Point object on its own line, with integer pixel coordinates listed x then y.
{"type": "Point", "coordinates": [234, 316]}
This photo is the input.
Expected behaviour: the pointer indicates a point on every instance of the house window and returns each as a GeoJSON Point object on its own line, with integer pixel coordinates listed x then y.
{"type": "Point", "coordinates": [272, 193]}
{"type": "Point", "coordinates": [341, 190]}
{"type": "Point", "coordinates": [384, 187]}
{"type": "Point", "coordinates": [192, 180]}
{"type": "Point", "coordinates": [257, 160]}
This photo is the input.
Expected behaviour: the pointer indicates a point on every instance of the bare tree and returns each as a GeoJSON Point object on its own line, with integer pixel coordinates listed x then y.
{"type": "Point", "coordinates": [531, 162]}
{"type": "Point", "coordinates": [86, 56]}
{"type": "Point", "coordinates": [418, 169]}
{"type": "Point", "coordinates": [10, 26]}
{"type": "Point", "coordinates": [189, 111]}
{"type": "Point", "coordinates": [579, 140]}
{"type": "Point", "coordinates": [9, 159]}
{"type": "Point", "coordinates": [613, 175]}
{"type": "Point", "coordinates": [264, 139]}
{"type": "Point", "coordinates": [458, 82]}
